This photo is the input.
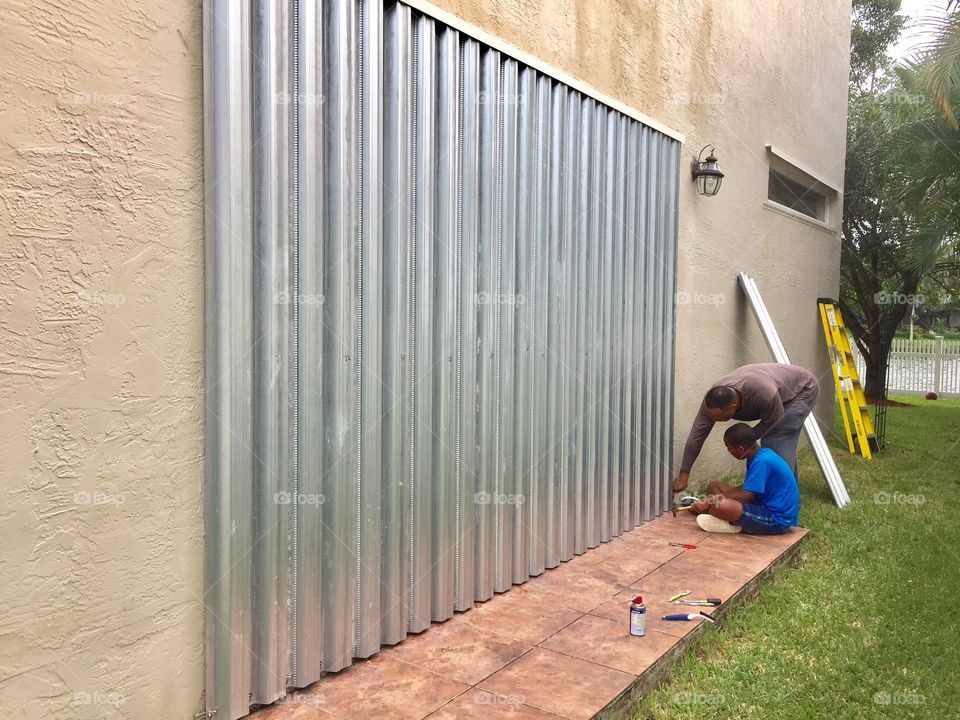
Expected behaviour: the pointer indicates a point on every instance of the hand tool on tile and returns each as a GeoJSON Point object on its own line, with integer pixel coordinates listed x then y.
{"type": "Point", "coordinates": [679, 509]}
{"type": "Point", "coordinates": [712, 602]}
{"type": "Point", "coordinates": [679, 595]}
{"type": "Point", "coordinates": [685, 503]}
{"type": "Point", "coordinates": [689, 616]}
{"type": "Point", "coordinates": [688, 546]}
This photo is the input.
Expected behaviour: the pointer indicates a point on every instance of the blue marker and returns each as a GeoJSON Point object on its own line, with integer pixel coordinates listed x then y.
{"type": "Point", "coordinates": [688, 616]}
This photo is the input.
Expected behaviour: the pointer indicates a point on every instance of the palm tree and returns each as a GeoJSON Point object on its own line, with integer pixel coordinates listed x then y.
{"type": "Point", "coordinates": [930, 138]}
{"type": "Point", "coordinates": [938, 64]}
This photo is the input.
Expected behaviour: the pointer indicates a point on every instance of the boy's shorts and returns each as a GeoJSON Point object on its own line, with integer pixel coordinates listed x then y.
{"type": "Point", "coordinates": [757, 520]}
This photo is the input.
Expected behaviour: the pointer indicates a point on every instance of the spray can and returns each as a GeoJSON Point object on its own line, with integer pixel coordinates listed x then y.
{"type": "Point", "coordinates": [638, 617]}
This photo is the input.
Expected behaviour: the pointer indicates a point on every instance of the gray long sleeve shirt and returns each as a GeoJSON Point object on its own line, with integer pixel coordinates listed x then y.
{"type": "Point", "coordinates": [764, 389]}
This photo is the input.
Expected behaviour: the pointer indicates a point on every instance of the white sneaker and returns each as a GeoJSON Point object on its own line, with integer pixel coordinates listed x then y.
{"type": "Point", "coordinates": [716, 525]}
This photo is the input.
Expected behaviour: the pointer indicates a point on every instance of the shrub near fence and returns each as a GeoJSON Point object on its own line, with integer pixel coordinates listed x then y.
{"type": "Point", "coordinates": [921, 365]}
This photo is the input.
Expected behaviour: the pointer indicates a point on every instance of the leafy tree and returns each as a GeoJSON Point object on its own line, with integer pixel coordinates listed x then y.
{"type": "Point", "coordinates": [875, 26]}
{"type": "Point", "coordinates": [870, 254]}
{"type": "Point", "coordinates": [902, 199]}
{"type": "Point", "coordinates": [879, 277]}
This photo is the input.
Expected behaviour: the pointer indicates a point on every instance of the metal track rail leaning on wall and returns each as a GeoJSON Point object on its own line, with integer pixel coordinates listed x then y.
{"type": "Point", "coordinates": [819, 444]}
{"type": "Point", "coordinates": [439, 331]}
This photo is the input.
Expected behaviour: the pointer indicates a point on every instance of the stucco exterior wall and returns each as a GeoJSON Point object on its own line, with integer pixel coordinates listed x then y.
{"type": "Point", "coordinates": [101, 292]}
{"type": "Point", "coordinates": [740, 76]}
{"type": "Point", "coordinates": [101, 368]}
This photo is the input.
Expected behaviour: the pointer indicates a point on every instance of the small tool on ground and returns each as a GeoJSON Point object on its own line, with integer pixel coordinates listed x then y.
{"type": "Point", "coordinates": [685, 503]}
{"type": "Point", "coordinates": [688, 546]}
{"type": "Point", "coordinates": [713, 602]}
{"type": "Point", "coordinates": [689, 616]}
{"type": "Point", "coordinates": [679, 595]}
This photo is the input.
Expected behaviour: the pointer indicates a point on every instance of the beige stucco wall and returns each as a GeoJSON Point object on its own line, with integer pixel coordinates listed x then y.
{"type": "Point", "coordinates": [738, 75]}
{"type": "Point", "coordinates": [101, 282]}
{"type": "Point", "coordinates": [100, 359]}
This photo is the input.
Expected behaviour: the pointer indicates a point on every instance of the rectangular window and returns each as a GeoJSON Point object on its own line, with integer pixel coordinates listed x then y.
{"type": "Point", "coordinates": [796, 196]}
{"type": "Point", "coordinates": [791, 187]}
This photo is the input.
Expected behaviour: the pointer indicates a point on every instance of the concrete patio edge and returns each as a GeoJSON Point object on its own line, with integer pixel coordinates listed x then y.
{"type": "Point", "coordinates": [622, 707]}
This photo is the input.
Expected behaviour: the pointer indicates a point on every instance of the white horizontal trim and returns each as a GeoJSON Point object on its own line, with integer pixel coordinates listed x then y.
{"type": "Point", "coordinates": [791, 213]}
{"type": "Point", "coordinates": [458, 23]}
{"type": "Point", "coordinates": [802, 168]}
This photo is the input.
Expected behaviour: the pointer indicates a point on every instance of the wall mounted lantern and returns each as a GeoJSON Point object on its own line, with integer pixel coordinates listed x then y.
{"type": "Point", "coordinates": [706, 173]}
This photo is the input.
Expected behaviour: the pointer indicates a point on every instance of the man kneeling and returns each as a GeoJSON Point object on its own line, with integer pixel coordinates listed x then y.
{"type": "Point", "coordinates": [768, 501]}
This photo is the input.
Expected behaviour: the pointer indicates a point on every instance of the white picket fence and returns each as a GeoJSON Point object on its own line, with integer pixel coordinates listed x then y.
{"type": "Point", "coordinates": [921, 365]}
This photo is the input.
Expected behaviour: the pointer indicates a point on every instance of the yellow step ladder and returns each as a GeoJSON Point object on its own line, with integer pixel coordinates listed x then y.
{"type": "Point", "coordinates": [849, 391]}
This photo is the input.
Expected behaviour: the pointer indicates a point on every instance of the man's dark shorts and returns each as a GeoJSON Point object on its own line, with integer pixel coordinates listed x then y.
{"type": "Point", "coordinates": [757, 520]}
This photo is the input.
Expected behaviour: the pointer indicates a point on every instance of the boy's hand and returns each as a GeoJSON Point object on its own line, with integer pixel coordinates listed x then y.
{"type": "Point", "coordinates": [700, 506]}
{"type": "Point", "coordinates": [680, 482]}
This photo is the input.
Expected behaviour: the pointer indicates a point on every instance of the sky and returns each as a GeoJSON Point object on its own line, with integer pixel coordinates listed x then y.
{"type": "Point", "coordinates": [916, 10]}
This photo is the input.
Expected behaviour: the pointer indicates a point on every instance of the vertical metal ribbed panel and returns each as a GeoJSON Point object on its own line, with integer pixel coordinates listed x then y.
{"type": "Point", "coordinates": [272, 317]}
{"type": "Point", "coordinates": [593, 290]}
{"type": "Point", "coordinates": [487, 253]}
{"type": "Point", "coordinates": [439, 331]}
{"type": "Point", "coordinates": [629, 517]}
{"type": "Point", "coordinates": [421, 349]}
{"type": "Point", "coordinates": [338, 414]}
{"type": "Point", "coordinates": [580, 253]}
{"type": "Point", "coordinates": [398, 212]}
{"type": "Point", "coordinates": [472, 517]}
{"type": "Point", "coordinates": [229, 247]}
{"type": "Point", "coordinates": [370, 361]}
{"type": "Point", "coordinates": [509, 476]}
{"type": "Point", "coordinates": [308, 283]}
{"type": "Point", "coordinates": [445, 550]}
{"type": "Point", "coordinates": [523, 400]}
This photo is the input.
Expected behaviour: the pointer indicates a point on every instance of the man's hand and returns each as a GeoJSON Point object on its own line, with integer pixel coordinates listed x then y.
{"type": "Point", "coordinates": [680, 482]}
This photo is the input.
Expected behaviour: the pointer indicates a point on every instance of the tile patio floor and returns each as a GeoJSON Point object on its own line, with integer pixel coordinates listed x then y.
{"type": "Point", "coordinates": [557, 646]}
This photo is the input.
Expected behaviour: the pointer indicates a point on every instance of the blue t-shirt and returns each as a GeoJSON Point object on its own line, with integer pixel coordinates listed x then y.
{"type": "Point", "coordinates": [769, 476]}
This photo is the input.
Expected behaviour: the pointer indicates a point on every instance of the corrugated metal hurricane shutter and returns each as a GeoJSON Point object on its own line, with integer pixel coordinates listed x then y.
{"type": "Point", "coordinates": [439, 331]}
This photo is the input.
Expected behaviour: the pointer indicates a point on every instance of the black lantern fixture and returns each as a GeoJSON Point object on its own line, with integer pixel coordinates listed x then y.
{"type": "Point", "coordinates": [706, 173]}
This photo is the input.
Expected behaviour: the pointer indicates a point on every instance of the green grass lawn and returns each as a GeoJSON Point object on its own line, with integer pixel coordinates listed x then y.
{"type": "Point", "coordinates": [867, 625]}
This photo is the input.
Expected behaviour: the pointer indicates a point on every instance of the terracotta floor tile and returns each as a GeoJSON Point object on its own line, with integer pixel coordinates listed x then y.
{"type": "Point", "coordinates": [705, 560]}
{"type": "Point", "coordinates": [624, 569]}
{"type": "Point", "coordinates": [480, 704]}
{"type": "Point", "coordinates": [609, 643]}
{"type": "Point", "coordinates": [785, 539]}
{"type": "Point", "coordinates": [593, 556]}
{"type": "Point", "coordinates": [699, 579]}
{"type": "Point", "coordinates": [597, 554]}
{"type": "Point", "coordinates": [525, 613]}
{"type": "Point", "coordinates": [566, 686]}
{"type": "Point", "coordinates": [290, 710]}
{"type": "Point", "coordinates": [683, 528]}
{"type": "Point", "coordinates": [583, 589]}
{"type": "Point", "coordinates": [684, 522]}
{"type": "Point", "coordinates": [459, 650]}
{"type": "Point", "coordinates": [744, 546]}
{"type": "Point", "coordinates": [382, 688]}
{"type": "Point", "coordinates": [652, 548]}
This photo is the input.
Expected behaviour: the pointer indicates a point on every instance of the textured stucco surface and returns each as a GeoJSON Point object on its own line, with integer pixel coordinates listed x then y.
{"type": "Point", "coordinates": [100, 359]}
{"type": "Point", "coordinates": [101, 285]}
{"type": "Point", "coordinates": [738, 75]}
